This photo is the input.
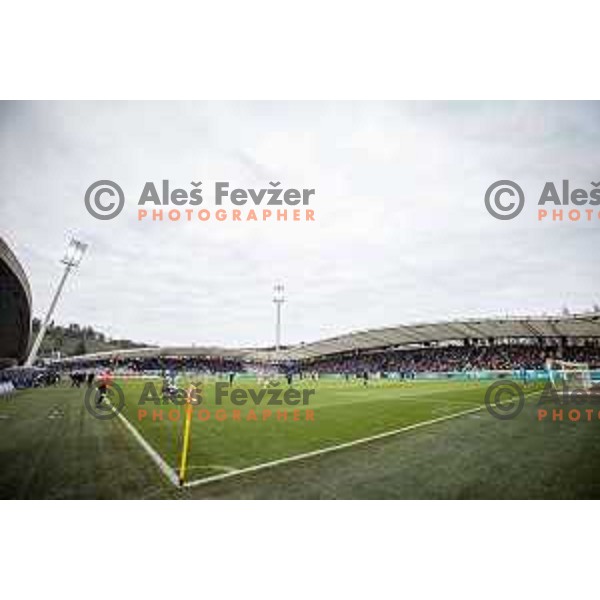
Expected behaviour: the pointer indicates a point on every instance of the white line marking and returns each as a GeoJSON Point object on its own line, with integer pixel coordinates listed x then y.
{"type": "Point", "coordinates": [212, 468]}
{"type": "Point", "coordinates": [335, 448]}
{"type": "Point", "coordinates": [168, 471]}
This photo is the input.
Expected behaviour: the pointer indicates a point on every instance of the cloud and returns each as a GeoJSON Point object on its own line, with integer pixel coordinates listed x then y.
{"type": "Point", "coordinates": [401, 233]}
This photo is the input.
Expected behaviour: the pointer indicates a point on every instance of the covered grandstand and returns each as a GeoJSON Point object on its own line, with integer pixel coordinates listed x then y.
{"type": "Point", "coordinates": [556, 331]}
{"type": "Point", "coordinates": [15, 308]}
{"type": "Point", "coordinates": [562, 329]}
{"type": "Point", "coordinates": [201, 352]}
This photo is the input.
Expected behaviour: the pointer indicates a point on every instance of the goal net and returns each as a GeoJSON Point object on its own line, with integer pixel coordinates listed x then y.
{"type": "Point", "coordinates": [573, 376]}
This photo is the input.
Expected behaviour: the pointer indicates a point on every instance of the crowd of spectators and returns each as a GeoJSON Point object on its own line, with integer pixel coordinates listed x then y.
{"type": "Point", "coordinates": [157, 364]}
{"type": "Point", "coordinates": [84, 370]}
{"type": "Point", "coordinates": [405, 362]}
{"type": "Point", "coordinates": [499, 357]}
{"type": "Point", "coordinates": [26, 377]}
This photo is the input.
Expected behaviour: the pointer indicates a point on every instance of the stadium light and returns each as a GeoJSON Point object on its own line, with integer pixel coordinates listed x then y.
{"type": "Point", "coordinates": [72, 259]}
{"type": "Point", "coordinates": [278, 300]}
{"type": "Point", "coordinates": [74, 253]}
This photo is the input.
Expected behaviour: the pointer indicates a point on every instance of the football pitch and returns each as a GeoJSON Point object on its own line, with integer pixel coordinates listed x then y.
{"type": "Point", "coordinates": [417, 439]}
{"type": "Point", "coordinates": [226, 437]}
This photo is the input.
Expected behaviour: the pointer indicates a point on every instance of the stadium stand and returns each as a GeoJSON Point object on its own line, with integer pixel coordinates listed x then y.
{"type": "Point", "coordinates": [561, 330]}
{"type": "Point", "coordinates": [484, 344]}
{"type": "Point", "coordinates": [15, 309]}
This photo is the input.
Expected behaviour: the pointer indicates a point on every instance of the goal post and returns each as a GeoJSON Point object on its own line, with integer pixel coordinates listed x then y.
{"type": "Point", "coordinates": [572, 375]}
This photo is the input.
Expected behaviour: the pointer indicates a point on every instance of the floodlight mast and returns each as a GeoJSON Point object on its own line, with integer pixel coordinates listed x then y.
{"type": "Point", "coordinates": [72, 258]}
{"type": "Point", "coordinates": [278, 300]}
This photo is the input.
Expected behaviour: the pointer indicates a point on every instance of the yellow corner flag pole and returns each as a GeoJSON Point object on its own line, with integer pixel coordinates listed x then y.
{"type": "Point", "coordinates": [186, 436]}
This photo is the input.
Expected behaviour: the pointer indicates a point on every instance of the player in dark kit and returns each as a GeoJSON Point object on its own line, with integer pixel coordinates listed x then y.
{"type": "Point", "coordinates": [103, 382]}
{"type": "Point", "coordinates": [102, 391]}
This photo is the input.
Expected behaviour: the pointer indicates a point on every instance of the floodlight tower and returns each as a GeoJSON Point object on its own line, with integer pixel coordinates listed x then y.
{"type": "Point", "coordinates": [72, 258]}
{"type": "Point", "coordinates": [278, 300]}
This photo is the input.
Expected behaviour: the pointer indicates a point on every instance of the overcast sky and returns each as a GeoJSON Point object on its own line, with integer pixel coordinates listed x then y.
{"type": "Point", "coordinates": [401, 232]}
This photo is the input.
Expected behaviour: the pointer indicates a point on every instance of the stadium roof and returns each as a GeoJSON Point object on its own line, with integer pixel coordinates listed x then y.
{"type": "Point", "coordinates": [214, 352]}
{"type": "Point", "coordinates": [568, 326]}
{"type": "Point", "coordinates": [15, 307]}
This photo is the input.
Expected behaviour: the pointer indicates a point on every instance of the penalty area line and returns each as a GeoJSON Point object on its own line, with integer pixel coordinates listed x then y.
{"type": "Point", "coordinates": [313, 453]}
{"type": "Point", "coordinates": [168, 471]}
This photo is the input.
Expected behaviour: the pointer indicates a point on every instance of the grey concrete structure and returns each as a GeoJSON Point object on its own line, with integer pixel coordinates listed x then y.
{"type": "Point", "coordinates": [15, 308]}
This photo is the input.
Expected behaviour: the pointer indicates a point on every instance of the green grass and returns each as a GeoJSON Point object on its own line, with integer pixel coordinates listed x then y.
{"type": "Point", "coordinates": [51, 447]}
{"type": "Point", "coordinates": [343, 412]}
